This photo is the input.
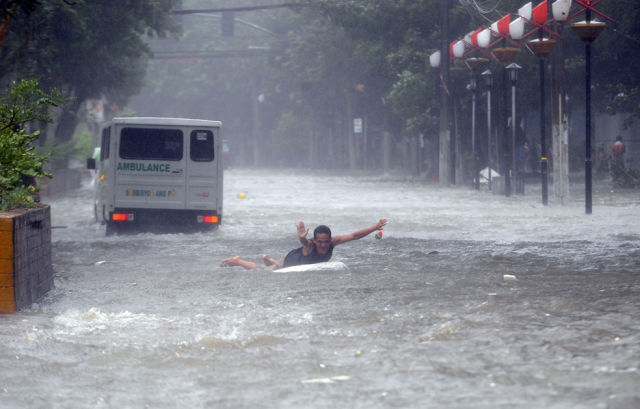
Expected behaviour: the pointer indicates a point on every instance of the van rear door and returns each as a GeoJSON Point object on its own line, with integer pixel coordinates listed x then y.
{"type": "Point", "coordinates": [150, 172]}
{"type": "Point", "coordinates": [202, 168]}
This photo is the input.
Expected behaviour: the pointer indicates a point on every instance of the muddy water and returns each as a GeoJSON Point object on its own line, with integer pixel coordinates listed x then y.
{"type": "Point", "coordinates": [470, 300]}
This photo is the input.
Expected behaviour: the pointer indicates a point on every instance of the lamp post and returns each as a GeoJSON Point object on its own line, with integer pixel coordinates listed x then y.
{"type": "Point", "coordinates": [434, 61]}
{"type": "Point", "coordinates": [488, 81]}
{"type": "Point", "coordinates": [541, 47]}
{"type": "Point", "coordinates": [476, 65]}
{"type": "Point", "coordinates": [513, 69]}
{"type": "Point", "coordinates": [473, 86]}
{"type": "Point", "coordinates": [588, 31]}
{"type": "Point", "coordinates": [506, 56]}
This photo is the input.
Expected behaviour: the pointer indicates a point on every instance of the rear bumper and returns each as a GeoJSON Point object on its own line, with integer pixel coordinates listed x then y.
{"type": "Point", "coordinates": [164, 217]}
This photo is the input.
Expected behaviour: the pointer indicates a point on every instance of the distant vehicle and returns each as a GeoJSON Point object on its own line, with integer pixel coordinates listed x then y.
{"type": "Point", "coordinates": [159, 174]}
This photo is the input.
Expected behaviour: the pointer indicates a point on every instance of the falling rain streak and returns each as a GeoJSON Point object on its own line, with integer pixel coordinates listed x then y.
{"type": "Point", "coordinates": [468, 300]}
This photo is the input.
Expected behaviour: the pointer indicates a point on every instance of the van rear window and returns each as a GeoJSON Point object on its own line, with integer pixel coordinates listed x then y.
{"type": "Point", "coordinates": [201, 146]}
{"type": "Point", "coordinates": [151, 144]}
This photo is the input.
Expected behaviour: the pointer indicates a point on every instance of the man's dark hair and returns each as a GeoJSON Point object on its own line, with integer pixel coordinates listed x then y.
{"type": "Point", "coordinates": [322, 229]}
{"type": "Point", "coordinates": [618, 138]}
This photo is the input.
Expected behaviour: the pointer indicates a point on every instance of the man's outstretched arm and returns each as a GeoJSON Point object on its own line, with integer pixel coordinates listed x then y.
{"type": "Point", "coordinates": [359, 234]}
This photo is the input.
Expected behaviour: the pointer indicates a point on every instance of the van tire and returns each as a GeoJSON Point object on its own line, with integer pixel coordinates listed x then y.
{"type": "Point", "coordinates": [112, 229]}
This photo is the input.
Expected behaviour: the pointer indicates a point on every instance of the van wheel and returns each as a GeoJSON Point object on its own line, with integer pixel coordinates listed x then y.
{"type": "Point", "coordinates": [112, 228]}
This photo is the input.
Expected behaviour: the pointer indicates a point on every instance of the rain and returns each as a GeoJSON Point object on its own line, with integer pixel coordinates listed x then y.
{"type": "Point", "coordinates": [499, 280]}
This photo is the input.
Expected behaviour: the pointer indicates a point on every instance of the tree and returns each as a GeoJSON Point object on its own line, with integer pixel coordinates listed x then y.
{"type": "Point", "coordinates": [617, 59]}
{"type": "Point", "coordinates": [24, 105]}
{"type": "Point", "coordinates": [89, 49]}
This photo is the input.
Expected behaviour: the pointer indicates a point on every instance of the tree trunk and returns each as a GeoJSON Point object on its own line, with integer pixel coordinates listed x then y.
{"type": "Point", "coordinates": [445, 170]}
{"type": "Point", "coordinates": [68, 120]}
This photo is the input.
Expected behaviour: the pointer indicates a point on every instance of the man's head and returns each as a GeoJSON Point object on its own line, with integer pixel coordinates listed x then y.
{"type": "Point", "coordinates": [618, 138]}
{"type": "Point", "coordinates": [322, 239]}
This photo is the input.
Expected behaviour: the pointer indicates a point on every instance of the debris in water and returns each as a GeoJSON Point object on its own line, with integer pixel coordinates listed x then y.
{"type": "Point", "coordinates": [99, 263]}
{"type": "Point", "coordinates": [327, 380]}
{"type": "Point", "coordinates": [509, 277]}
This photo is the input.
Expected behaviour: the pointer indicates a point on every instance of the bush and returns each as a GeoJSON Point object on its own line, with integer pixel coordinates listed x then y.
{"type": "Point", "coordinates": [24, 105]}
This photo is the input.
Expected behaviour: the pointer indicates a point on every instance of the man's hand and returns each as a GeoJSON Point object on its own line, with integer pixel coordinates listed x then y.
{"type": "Point", "coordinates": [381, 224]}
{"type": "Point", "coordinates": [302, 231]}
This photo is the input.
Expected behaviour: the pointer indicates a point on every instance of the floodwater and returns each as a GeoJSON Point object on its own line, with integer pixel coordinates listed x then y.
{"type": "Point", "coordinates": [470, 300]}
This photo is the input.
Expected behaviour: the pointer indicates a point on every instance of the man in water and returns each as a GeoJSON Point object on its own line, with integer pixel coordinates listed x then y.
{"type": "Point", "coordinates": [317, 250]}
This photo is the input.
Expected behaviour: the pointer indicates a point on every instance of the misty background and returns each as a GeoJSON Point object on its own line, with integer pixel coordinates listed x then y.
{"type": "Point", "coordinates": [317, 84]}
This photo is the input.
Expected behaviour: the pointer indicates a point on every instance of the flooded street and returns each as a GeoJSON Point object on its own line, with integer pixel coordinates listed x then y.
{"type": "Point", "coordinates": [470, 300]}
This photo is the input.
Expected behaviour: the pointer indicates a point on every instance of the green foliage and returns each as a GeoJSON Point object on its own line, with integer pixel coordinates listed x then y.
{"type": "Point", "coordinates": [24, 104]}
{"type": "Point", "coordinates": [616, 58]}
{"type": "Point", "coordinates": [91, 49]}
{"type": "Point", "coordinates": [409, 99]}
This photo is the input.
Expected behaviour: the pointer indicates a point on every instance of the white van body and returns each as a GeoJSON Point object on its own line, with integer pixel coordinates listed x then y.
{"type": "Point", "coordinates": [159, 172]}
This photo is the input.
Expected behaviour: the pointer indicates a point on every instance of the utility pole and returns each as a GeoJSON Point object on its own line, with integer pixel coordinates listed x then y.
{"type": "Point", "coordinates": [560, 121]}
{"type": "Point", "coordinates": [444, 168]}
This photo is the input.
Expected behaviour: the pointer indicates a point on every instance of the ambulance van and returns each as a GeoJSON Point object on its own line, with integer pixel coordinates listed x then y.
{"type": "Point", "coordinates": [159, 174]}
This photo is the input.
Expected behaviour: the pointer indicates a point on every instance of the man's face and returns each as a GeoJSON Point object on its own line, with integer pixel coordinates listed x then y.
{"type": "Point", "coordinates": [322, 242]}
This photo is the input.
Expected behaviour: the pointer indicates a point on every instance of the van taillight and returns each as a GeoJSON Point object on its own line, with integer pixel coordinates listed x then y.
{"type": "Point", "coordinates": [207, 219]}
{"type": "Point", "coordinates": [122, 217]}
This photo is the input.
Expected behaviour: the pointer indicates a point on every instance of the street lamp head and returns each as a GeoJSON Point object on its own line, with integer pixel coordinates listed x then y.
{"type": "Point", "coordinates": [541, 47]}
{"type": "Point", "coordinates": [488, 78]}
{"type": "Point", "coordinates": [588, 30]}
{"type": "Point", "coordinates": [513, 69]}
{"type": "Point", "coordinates": [477, 64]}
{"type": "Point", "coordinates": [505, 54]}
{"type": "Point", "coordinates": [434, 59]}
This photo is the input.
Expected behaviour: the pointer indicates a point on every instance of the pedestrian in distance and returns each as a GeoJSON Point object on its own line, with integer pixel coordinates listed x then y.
{"type": "Point", "coordinates": [617, 168]}
{"type": "Point", "coordinates": [618, 149]}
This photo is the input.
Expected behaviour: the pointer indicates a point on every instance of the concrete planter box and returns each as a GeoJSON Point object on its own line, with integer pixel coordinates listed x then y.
{"type": "Point", "coordinates": [26, 273]}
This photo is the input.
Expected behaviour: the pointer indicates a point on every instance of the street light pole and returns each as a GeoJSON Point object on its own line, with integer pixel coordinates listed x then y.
{"type": "Point", "coordinates": [476, 177]}
{"type": "Point", "coordinates": [544, 163]}
{"type": "Point", "coordinates": [488, 80]}
{"type": "Point", "coordinates": [513, 69]}
{"type": "Point", "coordinates": [434, 61]}
{"type": "Point", "coordinates": [588, 31]}
{"type": "Point", "coordinates": [541, 47]}
{"type": "Point", "coordinates": [506, 56]}
{"type": "Point", "coordinates": [476, 65]}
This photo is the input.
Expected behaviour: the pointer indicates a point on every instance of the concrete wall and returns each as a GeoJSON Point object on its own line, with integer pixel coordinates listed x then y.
{"type": "Point", "coordinates": [26, 272]}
